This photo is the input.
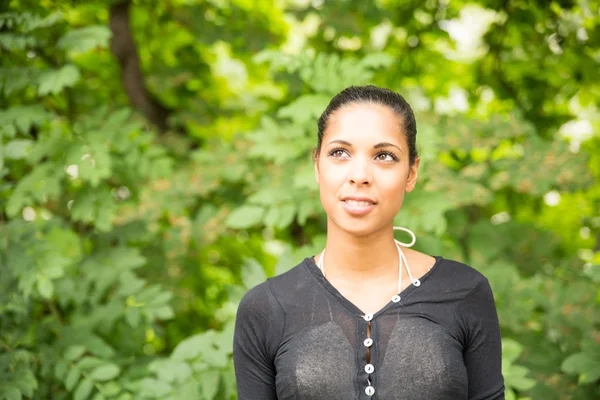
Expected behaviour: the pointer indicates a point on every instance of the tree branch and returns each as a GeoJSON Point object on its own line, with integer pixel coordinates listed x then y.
{"type": "Point", "coordinates": [124, 49]}
{"type": "Point", "coordinates": [55, 312]}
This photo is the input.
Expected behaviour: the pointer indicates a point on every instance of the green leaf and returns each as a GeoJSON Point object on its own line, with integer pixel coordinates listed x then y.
{"type": "Point", "coordinates": [17, 42]}
{"type": "Point", "coordinates": [515, 377]}
{"type": "Point", "coordinates": [24, 379]}
{"type": "Point", "coordinates": [9, 392]}
{"type": "Point", "coordinates": [41, 184]}
{"type": "Point", "coordinates": [105, 372]}
{"type": "Point", "coordinates": [589, 376]}
{"type": "Point", "coordinates": [583, 364]}
{"type": "Point", "coordinates": [133, 316]}
{"type": "Point", "coordinates": [45, 286]}
{"type": "Point", "coordinates": [126, 257]}
{"type": "Point", "coordinates": [286, 216]}
{"type": "Point", "coordinates": [85, 39]}
{"type": "Point", "coordinates": [153, 388]}
{"type": "Point", "coordinates": [33, 22]}
{"type": "Point", "coordinates": [424, 211]}
{"type": "Point", "coordinates": [188, 390]}
{"type": "Point", "coordinates": [74, 352]}
{"type": "Point", "coordinates": [307, 208]}
{"type": "Point", "coordinates": [245, 217]}
{"type": "Point", "coordinates": [511, 350]}
{"type": "Point", "coordinates": [280, 216]}
{"type": "Point", "coordinates": [215, 357]}
{"type": "Point", "coordinates": [171, 370]}
{"type": "Point", "coordinates": [95, 165]}
{"type": "Point", "coordinates": [55, 271]}
{"type": "Point", "coordinates": [23, 118]}
{"type": "Point", "coordinates": [72, 378]}
{"type": "Point", "coordinates": [191, 347]}
{"type": "Point", "coordinates": [130, 284]}
{"type": "Point", "coordinates": [54, 81]}
{"type": "Point", "coordinates": [285, 261]}
{"type": "Point", "coordinates": [210, 384]}
{"type": "Point", "coordinates": [377, 60]}
{"type": "Point", "coordinates": [272, 216]}
{"type": "Point", "coordinates": [83, 390]}
{"type": "Point", "coordinates": [111, 388]}
{"type": "Point", "coordinates": [576, 363]}
{"type": "Point", "coordinates": [87, 363]}
{"type": "Point", "coordinates": [252, 273]}
{"type": "Point", "coordinates": [17, 149]}
{"type": "Point", "coordinates": [60, 370]}
{"type": "Point", "coordinates": [305, 109]}
{"type": "Point", "coordinates": [304, 177]}
{"type": "Point", "coordinates": [593, 271]}
{"type": "Point", "coordinates": [98, 346]}
{"type": "Point", "coordinates": [163, 312]}
{"type": "Point", "coordinates": [268, 196]}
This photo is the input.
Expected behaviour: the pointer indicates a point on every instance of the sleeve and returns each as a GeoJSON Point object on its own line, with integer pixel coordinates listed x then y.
{"type": "Point", "coordinates": [259, 327]}
{"type": "Point", "coordinates": [478, 321]}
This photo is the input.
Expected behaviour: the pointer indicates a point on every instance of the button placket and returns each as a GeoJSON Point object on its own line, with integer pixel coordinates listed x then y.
{"type": "Point", "coordinates": [369, 368]}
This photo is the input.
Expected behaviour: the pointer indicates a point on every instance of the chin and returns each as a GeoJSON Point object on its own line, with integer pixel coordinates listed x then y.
{"type": "Point", "coordinates": [358, 227]}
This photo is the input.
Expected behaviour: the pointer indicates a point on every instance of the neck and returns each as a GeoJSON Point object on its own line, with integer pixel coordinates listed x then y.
{"type": "Point", "coordinates": [360, 257]}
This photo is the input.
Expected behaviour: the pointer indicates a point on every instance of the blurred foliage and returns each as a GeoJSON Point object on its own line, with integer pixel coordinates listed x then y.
{"type": "Point", "coordinates": [126, 247]}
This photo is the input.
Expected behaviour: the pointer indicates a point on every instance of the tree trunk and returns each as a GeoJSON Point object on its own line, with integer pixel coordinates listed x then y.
{"type": "Point", "coordinates": [124, 49]}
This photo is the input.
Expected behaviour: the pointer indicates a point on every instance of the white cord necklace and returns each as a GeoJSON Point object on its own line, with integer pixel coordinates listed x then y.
{"type": "Point", "coordinates": [401, 257]}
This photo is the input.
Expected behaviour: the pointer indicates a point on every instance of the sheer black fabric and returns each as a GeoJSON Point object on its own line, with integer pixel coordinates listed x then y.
{"type": "Point", "coordinates": [297, 337]}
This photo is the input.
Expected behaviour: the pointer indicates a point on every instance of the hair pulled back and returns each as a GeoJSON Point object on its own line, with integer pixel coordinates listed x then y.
{"type": "Point", "coordinates": [377, 95]}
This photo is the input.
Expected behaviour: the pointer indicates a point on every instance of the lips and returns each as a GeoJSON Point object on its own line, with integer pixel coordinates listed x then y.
{"type": "Point", "coordinates": [358, 205]}
{"type": "Point", "coordinates": [359, 199]}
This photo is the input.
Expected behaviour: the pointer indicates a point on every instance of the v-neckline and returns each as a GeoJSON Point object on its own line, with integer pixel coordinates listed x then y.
{"type": "Point", "coordinates": [353, 308]}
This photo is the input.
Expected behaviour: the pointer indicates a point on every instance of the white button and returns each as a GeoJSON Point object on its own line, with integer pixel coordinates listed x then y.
{"type": "Point", "coordinates": [368, 342]}
{"type": "Point", "coordinates": [417, 282]}
{"type": "Point", "coordinates": [368, 317]}
{"type": "Point", "coordinates": [370, 390]}
{"type": "Point", "coordinates": [396, 298]}
{"type": "Point", "coordinates": [369, 368]}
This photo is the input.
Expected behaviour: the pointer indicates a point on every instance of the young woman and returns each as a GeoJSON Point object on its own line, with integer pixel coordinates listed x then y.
{"type": "Point", "coordinates": [368, 318]}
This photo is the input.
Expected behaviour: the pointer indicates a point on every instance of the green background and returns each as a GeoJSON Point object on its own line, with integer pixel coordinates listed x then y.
{"type": "Point", "coordinates": [155, 163]}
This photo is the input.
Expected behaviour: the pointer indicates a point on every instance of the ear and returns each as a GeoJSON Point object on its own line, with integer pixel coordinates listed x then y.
{"type": "Point", "coordinates": [316, 162]}
{"type": "Point", "coordinates": [411, 182]}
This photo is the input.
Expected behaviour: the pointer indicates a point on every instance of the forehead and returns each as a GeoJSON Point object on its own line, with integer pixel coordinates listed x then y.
{"type": "Point", "coordinates": [366, 123]}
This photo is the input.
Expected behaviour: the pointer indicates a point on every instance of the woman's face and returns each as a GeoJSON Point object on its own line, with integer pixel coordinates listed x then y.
{"type": "Point", "coordinates": [363, 168]}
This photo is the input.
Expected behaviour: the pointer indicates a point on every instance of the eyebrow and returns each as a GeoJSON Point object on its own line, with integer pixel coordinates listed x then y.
{"type": "Point", "coordinates": [377, 146]}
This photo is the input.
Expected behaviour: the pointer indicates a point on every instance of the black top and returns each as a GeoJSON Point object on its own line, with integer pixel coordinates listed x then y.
{"type": "Point", "coordinates": [296, 337]}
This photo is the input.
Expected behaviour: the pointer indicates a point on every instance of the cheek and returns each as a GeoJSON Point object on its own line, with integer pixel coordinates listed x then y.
{"type": "Point", "coordinates": [393, 187]}
{"type": "Point", "coordinates": [331, 182]}
{"type": "Point", "coordinates": [330, 178]}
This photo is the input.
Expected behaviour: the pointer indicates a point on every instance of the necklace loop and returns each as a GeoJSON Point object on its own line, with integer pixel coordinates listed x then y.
{"type": "Point", "coordinates": [414, 238]}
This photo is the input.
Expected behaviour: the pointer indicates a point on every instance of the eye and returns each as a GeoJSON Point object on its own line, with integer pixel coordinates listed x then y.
{"type": "Point", "coordinates": [386, 157]}
{"type": "Point", "coordinates": [338, 153]}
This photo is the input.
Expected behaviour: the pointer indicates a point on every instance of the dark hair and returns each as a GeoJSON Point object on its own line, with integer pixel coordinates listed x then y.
{"type": "Point", "coordinates": [374, 94]}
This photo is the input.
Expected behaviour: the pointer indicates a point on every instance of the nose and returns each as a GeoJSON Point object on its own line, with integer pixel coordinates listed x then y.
{"type": "Point", "coordinates": [360, 172]}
